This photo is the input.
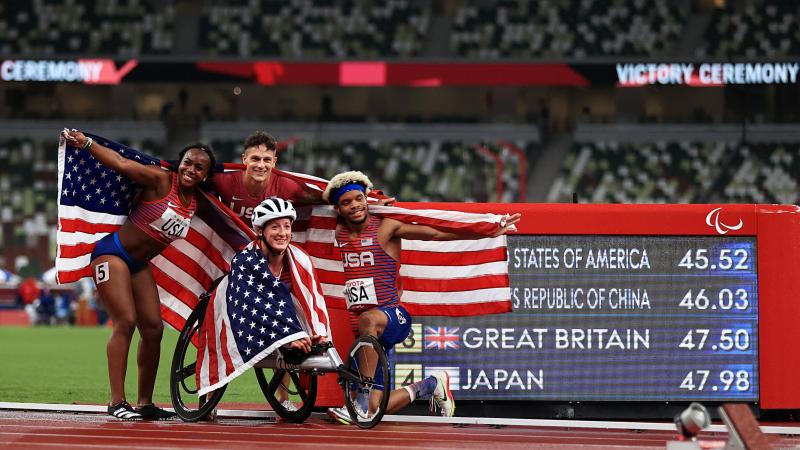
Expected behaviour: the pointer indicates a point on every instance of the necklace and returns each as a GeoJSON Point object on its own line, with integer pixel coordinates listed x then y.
{"type": "Point", "coordinates": [181, 195]}
{"type": "Point", "coordinates": [279, 271]}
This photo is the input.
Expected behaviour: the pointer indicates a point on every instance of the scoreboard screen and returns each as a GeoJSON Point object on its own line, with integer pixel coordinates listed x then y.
{"type": "Point", "coordinates": [605, 318]}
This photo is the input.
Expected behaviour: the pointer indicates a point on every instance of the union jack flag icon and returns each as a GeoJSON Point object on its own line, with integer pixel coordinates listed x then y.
{"type": "Point", "coordinates": [441, 338]}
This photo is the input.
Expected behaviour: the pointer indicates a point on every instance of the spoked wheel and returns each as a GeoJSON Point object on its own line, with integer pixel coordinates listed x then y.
{"type": "Point", "coordinates": [302, 392]}
{"type": "Point", "coordinates": [183, 383]}
{"type": "Point", "coordinates": [368, 364]}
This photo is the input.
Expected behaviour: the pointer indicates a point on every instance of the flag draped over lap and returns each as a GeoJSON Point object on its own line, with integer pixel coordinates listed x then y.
{"type": "Point", "coordinates": [452, 278]}
{"type": "Point", "coordinates": [251, 313]}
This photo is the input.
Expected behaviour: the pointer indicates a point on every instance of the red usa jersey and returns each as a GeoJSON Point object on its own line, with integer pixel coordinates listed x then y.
{"type": "Point", "coordinates": [232, 193]}
{"type": "Point", "coordinates": [166, 219]}
{"type": "Point", "coordinates": [371, 275]}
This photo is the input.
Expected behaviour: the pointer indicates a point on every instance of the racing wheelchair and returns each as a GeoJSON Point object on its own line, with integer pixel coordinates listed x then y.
{"type": "Point", "coordinates": [302, 370]}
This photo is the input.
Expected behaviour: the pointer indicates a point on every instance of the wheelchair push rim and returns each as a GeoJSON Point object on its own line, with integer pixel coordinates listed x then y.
{"type": "Point", "coordinates": [183, 382]}
{"type": "Point", "coordinates": [374, 386]}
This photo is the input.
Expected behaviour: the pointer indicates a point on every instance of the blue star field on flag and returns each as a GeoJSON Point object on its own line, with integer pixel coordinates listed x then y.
{"type": "Point", "coordinates": [92, 186]}
{"type": "Point", "coordinates": [260, 307]}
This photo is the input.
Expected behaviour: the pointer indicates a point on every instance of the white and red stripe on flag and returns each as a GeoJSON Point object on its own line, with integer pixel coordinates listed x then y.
{"type": "Point", "coordinates": [94, 201]}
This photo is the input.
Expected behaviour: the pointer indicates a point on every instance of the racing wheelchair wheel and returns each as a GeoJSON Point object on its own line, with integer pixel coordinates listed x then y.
{"type": "Point", "coordinates": [303, 392]}
{"type": "Point", "coordinates": [183, 383]}
{"type": "Point", "coordinates": [371, 385]}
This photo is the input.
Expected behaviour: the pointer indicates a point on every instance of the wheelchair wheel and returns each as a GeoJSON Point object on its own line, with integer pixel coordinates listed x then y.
{"type": "Point", "coordinates": [183, 383]}
{"type": "Point", "coordinates": [303, 395]}
{"type": "Point", "coordinates": [373, 385]}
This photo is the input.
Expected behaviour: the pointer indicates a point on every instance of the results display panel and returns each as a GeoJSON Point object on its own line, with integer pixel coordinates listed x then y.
{"type": "Point", "coordinates": [605, 318]}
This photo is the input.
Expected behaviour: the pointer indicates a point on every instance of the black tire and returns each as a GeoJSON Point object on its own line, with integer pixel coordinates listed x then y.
{"type": "Point", "coordinates": [188, 406]}
{"type": "Point", "coordinates": [367, 382]}
{"type": "Point", "coordinates": [304, 397]}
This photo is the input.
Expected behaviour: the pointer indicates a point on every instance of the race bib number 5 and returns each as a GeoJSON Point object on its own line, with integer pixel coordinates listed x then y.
{"type": "Point", "coordinates": [360, 292]}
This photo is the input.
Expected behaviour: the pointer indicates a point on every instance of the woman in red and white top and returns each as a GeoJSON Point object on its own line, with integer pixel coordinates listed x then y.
{"type": "Point", "coordinates": [160, 215]}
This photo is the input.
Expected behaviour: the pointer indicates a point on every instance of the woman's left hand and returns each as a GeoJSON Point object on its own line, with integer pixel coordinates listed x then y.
{"type": "Point", "coordinates": [75, 138]}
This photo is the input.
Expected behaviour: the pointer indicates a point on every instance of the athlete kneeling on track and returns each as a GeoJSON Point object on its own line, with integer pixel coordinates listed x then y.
{"type": "Point", "coordinates": [125, 284]}
{"type": "Point", "coordinates": [370, 249]}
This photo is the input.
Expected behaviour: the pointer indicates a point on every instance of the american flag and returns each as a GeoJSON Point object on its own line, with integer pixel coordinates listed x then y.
{"type": "Point", "coordinates": [441, 338]}
{"type": "Point", "coordinates": [452, 278]}
{"type": "Point", "coordinates": [438, 278]}
{"type": "Point", "coordinates": [94, 201]}
{"type": "Point", "coordinates": [251, 313]}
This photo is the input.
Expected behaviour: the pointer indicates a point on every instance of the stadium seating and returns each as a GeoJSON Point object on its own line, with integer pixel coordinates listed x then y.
{"type": "Point", "coordinates": [759, 29]}
{"type": "Point", "coordinates": [564, 28]}
{"type": "Point", "coordinates": [680, 172]}
{"type": "Point", "coordinates": [764, 173]}
{"type": "Point", "coordinates": [122, 28]}
{"type": "Point", "coordinates": [302, 28]}
{"type": "Point", "coordinates": [29, 187]}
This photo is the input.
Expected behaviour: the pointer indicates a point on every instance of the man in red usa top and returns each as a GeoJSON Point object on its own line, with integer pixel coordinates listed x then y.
{"type": "Point", "coordinates": [241, 191]}
{"type": "Point", "coordinates": [370, 249]}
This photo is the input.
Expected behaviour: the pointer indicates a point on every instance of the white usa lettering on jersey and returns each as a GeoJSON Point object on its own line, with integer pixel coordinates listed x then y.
{"type": "Point", "coordinates": [360, 259]}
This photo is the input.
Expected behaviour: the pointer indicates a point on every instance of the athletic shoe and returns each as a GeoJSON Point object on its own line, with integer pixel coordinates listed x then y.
{"type": "Point", "coordinates": [289, 405]}
{"type": "Point", "coordinates": [123, 411]}
{"type": "Point", "coordinates": [442, 396]}
{"type": "Point", "coordinates": [153, 412]}
{"type": "Point", "coordinates": [340, 415]}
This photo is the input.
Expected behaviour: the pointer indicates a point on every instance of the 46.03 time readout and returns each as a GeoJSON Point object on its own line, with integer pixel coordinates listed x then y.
{"type": "Point", "coordinates": [726, 299]}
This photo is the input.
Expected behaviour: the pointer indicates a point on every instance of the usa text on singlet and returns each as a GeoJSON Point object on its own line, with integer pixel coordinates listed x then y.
{"type": "Point", "coordinates": [164, 220]}
{"type": "Point", "coordinates": [370, 273]}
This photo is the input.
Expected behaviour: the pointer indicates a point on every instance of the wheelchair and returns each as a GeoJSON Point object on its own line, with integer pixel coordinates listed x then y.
{"type": "Point", "coordinates": [302, 370]}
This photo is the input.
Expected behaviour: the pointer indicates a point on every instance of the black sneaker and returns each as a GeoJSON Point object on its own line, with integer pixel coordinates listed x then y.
{"type": "Point", "coordinates": [123, 411]}
{"type": "Point", "coordinates": [153, 412]}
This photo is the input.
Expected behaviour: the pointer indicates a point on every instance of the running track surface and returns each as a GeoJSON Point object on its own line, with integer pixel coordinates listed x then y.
{"type": "Point", "coordinates": [37, 430]}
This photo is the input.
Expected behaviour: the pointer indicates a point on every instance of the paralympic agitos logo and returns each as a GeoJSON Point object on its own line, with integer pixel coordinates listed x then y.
{"type": "Point", "coordinates": [712, 220]}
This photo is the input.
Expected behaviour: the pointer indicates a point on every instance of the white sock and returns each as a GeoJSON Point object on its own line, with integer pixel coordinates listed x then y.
{"type": "Point", "coordinates": [411, 392]}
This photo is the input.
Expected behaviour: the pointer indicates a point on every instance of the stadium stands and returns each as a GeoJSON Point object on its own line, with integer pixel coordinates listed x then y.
{"type": "Point", "coordinates": [568, 28]}
{"type": "Point", "coordinates": [123, 28]}
{"type": "Point", "coordinates": [757, 29]}
{"type": "Point", "coordinates": [680, 172]}
{"type": "Point", "coordinates": [764, 173]}
{"type": "Point", "coordinates": [306, 29]}
{"type": "Point", "coordinates": [29, 187]}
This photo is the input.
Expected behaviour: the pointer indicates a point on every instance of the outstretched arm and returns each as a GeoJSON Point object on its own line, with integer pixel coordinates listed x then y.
{"type": "Point", "coordinates": [141, 174]}
{"type": "Point", "coordinates": [395, 228]}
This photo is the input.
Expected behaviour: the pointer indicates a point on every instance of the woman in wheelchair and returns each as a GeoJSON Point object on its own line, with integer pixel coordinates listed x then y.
{"type": "Point", "coordinates": [269, 314]}
{"type": "Point", "coordinates": [272, 221]}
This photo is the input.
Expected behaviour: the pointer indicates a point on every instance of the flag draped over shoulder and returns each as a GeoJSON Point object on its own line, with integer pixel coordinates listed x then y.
{"type": "Point", "coordinates": [94, 201]}
{"type": "Point", "coordinates": [251, 313]}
